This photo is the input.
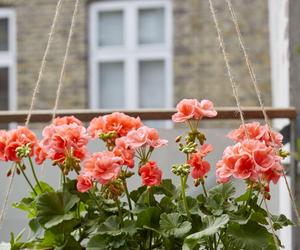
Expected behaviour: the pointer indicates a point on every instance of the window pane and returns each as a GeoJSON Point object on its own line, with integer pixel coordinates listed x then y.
{"type": "Point", "coordinates": [110, 28]}
{"type": "Point", "coordinates": [151, 26]}
{"type": "Point", "coordinates": [111, 80]}
{"type": "Point", "coordinates": [4, 88]}
{"type": "Point", "coordinates": [3, 34]}
{"type": "Point", "coordinates": [152, 84]}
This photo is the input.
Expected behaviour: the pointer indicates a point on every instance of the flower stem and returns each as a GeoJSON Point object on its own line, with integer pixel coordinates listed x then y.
{"type": "Point", "coordinates": [150, 240]}
{"type": "Point", "coordinates": [183, 180]}
{"type": "Point", "coordinates": [26, 178]}
{"type": "Point", "coordinates": [204, 188]}
{"type": "Point", "coordinates": [128, 197]}
{"type": "Point", "coordinates": [120, 212]}
{"type": "Point", "coordinates": [34, 174]}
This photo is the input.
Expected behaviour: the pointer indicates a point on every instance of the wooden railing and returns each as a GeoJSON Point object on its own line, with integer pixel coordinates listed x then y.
{"type": "Point", "coordinates": [224, 113]}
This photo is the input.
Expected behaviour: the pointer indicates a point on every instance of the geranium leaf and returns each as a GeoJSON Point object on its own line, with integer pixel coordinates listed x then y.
{"type": "Point", "coordinates": [250, 236]}
{"type": "Point", "coordinates": [149, 217]}
{"type": "Point", "coordinates": [226, 190]}
{"type": "Point", "coordinates": [172, 225]}
{"type": "Point", "coordinates": [211, 226]}
{"type": "Point", "coordinates": [54, 208]}
{"type": "Point", "coordinates": [281, 221]}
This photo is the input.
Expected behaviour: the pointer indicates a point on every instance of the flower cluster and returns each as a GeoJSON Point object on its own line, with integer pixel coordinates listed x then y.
{"type": "Point", "coordinates": [192, 109]}
{"type": "Point", "coordinates": [65, 143]}
{"type": "Point", "coordinates": [125, 138]}
{"type": "Point", "coordinates": [257, 132]}
{"type": "Point", "coordinates": [254, 157]}
{"type": "Point", "coordinates": [15, 139]}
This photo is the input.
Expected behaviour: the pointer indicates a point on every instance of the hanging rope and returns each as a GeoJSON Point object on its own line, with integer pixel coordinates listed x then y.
{"type": "Point", "coordinates": [236, 96]}
{"type": "Point", "coordinates": [33, 98]}
{"type": "Point", "coordinates": [259, 96]}
{"type": "Point", "coordinates": [60, 82]}
{"type": "Point", "coordinates": [8, 191]}
{"type": "Point", "coordinates": [43, 63]}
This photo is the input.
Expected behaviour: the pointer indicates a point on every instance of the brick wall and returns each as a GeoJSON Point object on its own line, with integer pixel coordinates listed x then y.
{"type": "Point", "coordinates": [198, 62]}
{"type": "Point", "coordinates": [198, 65]}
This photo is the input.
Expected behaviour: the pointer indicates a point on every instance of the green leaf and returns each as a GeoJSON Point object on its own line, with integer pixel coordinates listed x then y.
{"type": "Point", "coordinates": [244, 197]}
{"type": "Point", "coordinates": [28, 205]}
{"type": "Point", "coordinates": [192, 205]}
{"type": "Point", "coordinates": [166, 187]}
{"type": "Point", "coordinates": [226, 190]}
{"type": "Point", "coordinates": [54, 208]}
{"type": "Point", "coordinates": [112, 226]}
{"type": "Point", "coordinates": [103, 242]}
{"type": "Point", "coordinates": [281, 221]}
{"type": "Point", "coordinates": [212, 226]}
{"type": "Point", "coordinates": [172, 225]}
{"type": "Point", "coordinates": [250, 236]}
{"type": "Point", "coordinates": [45, 188]}
{"type": "Point", "coordinates": [149, 217]}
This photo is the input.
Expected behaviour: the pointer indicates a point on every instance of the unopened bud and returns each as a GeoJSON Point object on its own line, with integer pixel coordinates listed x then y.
{"type": "Point", "coordinates": [23, 151]}
{"type": "Point", "coordinates": [178, 138]}
{"type": "Point", "coordinates": [181, 169]}
{"type": "Point", "coordinates": [8, 173]}
{"type": "Point", "coordinates": [283, 153]}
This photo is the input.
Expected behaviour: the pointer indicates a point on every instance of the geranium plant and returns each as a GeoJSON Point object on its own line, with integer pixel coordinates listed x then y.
{"type": "Point", "coordinates": [98, 211]}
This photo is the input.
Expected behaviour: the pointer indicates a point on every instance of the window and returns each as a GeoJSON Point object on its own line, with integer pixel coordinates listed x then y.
{"type": "Point", "coordinates": [7, 59]}
{"type": "Point", "coordinates": [130, 54]}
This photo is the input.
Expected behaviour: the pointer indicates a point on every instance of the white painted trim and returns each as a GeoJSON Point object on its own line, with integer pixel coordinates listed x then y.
{"type": "Point", "coordinates": [130, 53]}
{"type": "Point", "coordinates": [8, 58]}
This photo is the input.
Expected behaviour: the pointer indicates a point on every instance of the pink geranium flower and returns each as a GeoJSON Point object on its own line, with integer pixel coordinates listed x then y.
{"type": "Point", "coordinates": [126, 153]}
{"type": "Point", "coordinates": [103, 166]}
{"type": "Point", "coordinates": [84, 183]}
{"type": "Point", "coordinates": [151, 174]}
{"type": "Point", "coordinates": [144, 136]}
{"type": "Point", "coordinates": [3, 141]}
{"type": "Point", "coordinates": [116, 122]}
{"type": "Point", "coordinates": [68, 139]}
{"type": "Point", "coordinates": [249, 160]}
{"type": "Point", "coordinates": [17, 138]}
{"type": "Point", "coordinates": [192, 109]}
{"type": "Point", "coordinates": [257, 132]}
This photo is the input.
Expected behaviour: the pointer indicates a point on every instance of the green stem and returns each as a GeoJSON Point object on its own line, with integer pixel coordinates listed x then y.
{"type": "Point", "coordinates": [26, 178]}
{"type": "Point", "coordinates": [183, 183]}
{"type": "Point", "coordinates": [204, 188]}
{"type": "Point", "coordinates": [128, 197]}
{"type": "Point", "coordinates": [34, 174]}
{"type": "Point", "coordinates": [120, 212]}
{"type": "Point", "coordinates": [150, 240]}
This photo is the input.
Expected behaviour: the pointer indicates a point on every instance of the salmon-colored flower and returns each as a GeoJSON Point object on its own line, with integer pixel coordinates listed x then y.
{"type": "Point", "coordinates": [186, 109]}
{"type": "Point", "coordinates": [17, 138]}
{"type": "Point", "coordinates": [84, 183]}
{"type": "Point", "coordinates": [249, 160]}
{"type": "Point", "coordinates": [151, 174]}
{"type": "Point", "coordinates": [63, 141]}
{"type": "Point", "coordinates": [3, 140]}
{"type": "Point", "coordinates": [144, 136]}
{"type": "Point", "coordinates": [116, 122]}
{"type": "Point", "coordinates": [126, 153]}
{"type": "Point", "coordinates": [192, 109]}
{"type": "Point", "coordinates": [257, 132]}
{"type": "Point", "coordinates": [207, 108]}
{"type": "Point", "coordinates": [103, 166]}
{"type": "Point", "coordinates": [200, 167]}
{"type": "Point", "coordinates": [66, 120]}
{"type": "Point", "coordinates": [40, 155]}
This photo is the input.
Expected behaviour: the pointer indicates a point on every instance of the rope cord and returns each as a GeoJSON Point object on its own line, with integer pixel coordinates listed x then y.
{"type": "Point", "coordinates": [235, 93]}
{"type": "Point", "coordinates": [8, 191]}
{"type": "Point", "coordinates": [43, 63]}
{"type": "Point", "coordinates": [33, 98]}
{"type": "Point", "coordinates": [259, 97]}
{"type": "Point", "coordinates": [60, 83]}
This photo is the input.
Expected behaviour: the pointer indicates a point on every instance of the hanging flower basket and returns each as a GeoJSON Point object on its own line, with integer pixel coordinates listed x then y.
{"type": "Point", "coordinates": [98, 211]}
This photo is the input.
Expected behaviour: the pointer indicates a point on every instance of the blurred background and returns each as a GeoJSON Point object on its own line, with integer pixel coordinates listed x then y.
{"type": "Point", "coordinates": [148, 54]}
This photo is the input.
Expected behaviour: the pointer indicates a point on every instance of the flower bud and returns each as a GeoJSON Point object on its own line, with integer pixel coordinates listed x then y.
{"type": "Point", "coordinates": [23, 151]}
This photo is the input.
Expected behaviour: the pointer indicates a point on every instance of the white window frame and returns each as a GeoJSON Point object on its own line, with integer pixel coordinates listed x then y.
{"type": "Point", "coordinates": [8, 58]}
{"type": "Point", "coordinates": [131, 52]}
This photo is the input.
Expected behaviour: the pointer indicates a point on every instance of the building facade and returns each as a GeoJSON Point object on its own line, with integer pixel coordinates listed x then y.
{"type": "Point", "coordinates": [130, 54]}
